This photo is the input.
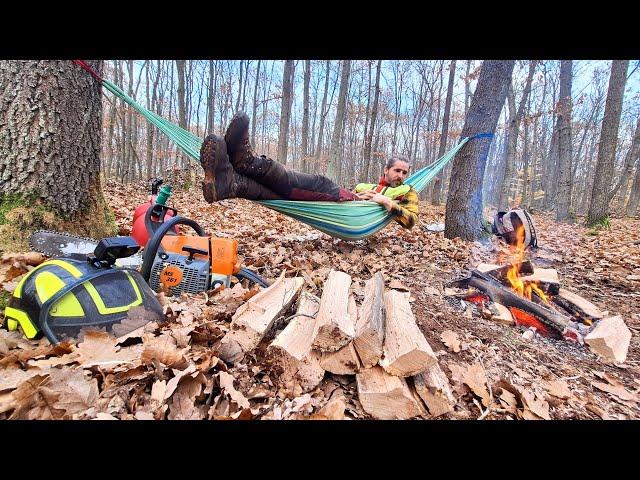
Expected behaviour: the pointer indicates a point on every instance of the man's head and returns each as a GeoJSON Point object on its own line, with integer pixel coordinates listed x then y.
{"type": "Point", "coordinates": [396, 170]}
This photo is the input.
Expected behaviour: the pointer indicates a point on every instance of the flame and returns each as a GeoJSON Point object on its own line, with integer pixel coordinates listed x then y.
{"type": "Point", "coordinates": [513, 275]}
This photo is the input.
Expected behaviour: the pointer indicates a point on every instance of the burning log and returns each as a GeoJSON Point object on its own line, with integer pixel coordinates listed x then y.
{"type": "Point", "coordinates": [501, 273]}
{"type": "Point", "coordinates": [547, 278]}
{"type": "Point", "coordinates": [575, 304]}
{"type": "Point", "coordinates": [499, 294]}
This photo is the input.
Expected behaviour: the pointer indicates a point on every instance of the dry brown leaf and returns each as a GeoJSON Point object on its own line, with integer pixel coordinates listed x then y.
{"type": "Point", "coordinates": [508, 401]}
{"type": "Point", "coordinates": [226, 383]}
{"type": "Point", "coordinates": [137, 317]}
{"type": "Point", "coordinates": [451, 340]}
{"type": "Point", "coordinates": [398, 285]}
{"type": "Point", "coordinates": [164, 350]}
{"type": "Point", "coordinates": [178, 376]}
{"type": "Point", "coordinates": [557, 388]}
{"type": "Point", "coordinates": [99, 348]}
{"type": "Point", "coordinates": [10, 378]}
{"type": "Point", "coordinates": [618, 390]}
{"type": "Point", "coordinates": [47, 350]}
{"type": "Point", "coordinates": [476, 379]}
{"type": "Point", "coordinates": [183, 401]}
{"type": "Point", "coordinates": [32, 400]}
{"type": "Point", "coordinates": [533, 403]}
{"type": "Point", "coordinates": [77, 391]}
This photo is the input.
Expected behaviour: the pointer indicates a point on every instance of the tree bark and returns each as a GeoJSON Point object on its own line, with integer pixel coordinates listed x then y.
{"type": "Point", "coordinates": [333, 170]}
{"type": "Point", "coordinates": [285, 111]}
{"type": "Point", "coordinates": [437, 185]}
{"type": "Point", "coordinates": [50, 135]}
{"type": "Point", "coordinates": [464, 203]}
{"type": "Point", "coordinates": [563, 209]}
{"type": "Point", "coordinates": [600, 194]}
{"type": "Point", "coordinates": [629, 160]}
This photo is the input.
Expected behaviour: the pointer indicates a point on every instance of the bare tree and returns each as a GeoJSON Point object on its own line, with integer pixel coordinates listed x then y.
{"type": "Point", "coordinates": [334, 170]}
{"type": "Point", "coordinates": [374, 114]}
{"type": "Point", "coordinates": [514, 127]}
{"type": "Point", "coordinates": [563, 210]}
{"type": "Point", "coordinates": [464, 202]}
{"type": "Point", "coordinates": [305, 116]}
{"type": "Point", "coordinates": [437, 185]}
{"type": "Point", "coordinates": [601, 192]}
{"type": "Point", "coordinates": [287, 85]}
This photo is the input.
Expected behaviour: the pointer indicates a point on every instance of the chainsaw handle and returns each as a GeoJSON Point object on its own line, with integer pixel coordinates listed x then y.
{"type": "Point", "coordinates": [154, 242]}
{"type": "Point", "coordinates": [159, 211]}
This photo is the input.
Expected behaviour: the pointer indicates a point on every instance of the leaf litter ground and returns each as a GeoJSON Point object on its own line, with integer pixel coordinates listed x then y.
{"type": "Point", "coordinates": [167, 368]}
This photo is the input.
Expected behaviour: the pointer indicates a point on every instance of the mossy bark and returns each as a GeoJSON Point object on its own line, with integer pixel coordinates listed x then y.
{"type": "Point", "coordinates": [50, 135]}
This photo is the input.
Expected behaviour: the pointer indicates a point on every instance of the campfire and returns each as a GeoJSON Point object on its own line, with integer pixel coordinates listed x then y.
{"type": "Point", "coordinates": [521, 294]}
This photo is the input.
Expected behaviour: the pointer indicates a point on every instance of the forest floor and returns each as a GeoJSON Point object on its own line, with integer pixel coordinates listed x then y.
{"type": "Point", "coordinates": [173, 372]}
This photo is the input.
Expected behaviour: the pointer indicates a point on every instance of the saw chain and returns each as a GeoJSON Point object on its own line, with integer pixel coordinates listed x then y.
{"type": "Point", "coordinates": [55, 244]}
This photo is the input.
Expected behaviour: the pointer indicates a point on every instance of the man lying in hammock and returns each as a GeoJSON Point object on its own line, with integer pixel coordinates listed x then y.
{"type": "Point", "coordinates": [233, 170]}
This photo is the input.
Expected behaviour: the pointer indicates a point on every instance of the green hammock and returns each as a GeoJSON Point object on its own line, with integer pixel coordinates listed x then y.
{"type": "Point", "coordinates": [352, 220]}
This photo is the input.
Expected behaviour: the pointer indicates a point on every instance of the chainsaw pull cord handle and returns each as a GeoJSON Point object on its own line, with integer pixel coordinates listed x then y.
{"type": "Point", "coordinates": [154, 242]}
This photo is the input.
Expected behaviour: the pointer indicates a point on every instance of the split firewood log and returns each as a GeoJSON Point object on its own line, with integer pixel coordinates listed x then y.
{"type": "Point", "coordinates": [334, 326]}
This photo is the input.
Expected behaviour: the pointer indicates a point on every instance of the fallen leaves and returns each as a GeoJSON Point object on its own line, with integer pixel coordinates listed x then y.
{"type": "Point", "coordinates": [451, 340]}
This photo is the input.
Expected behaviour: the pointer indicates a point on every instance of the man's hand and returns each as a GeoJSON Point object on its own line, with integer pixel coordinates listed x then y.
{"type": "Point", "coordinates": [374, 196]}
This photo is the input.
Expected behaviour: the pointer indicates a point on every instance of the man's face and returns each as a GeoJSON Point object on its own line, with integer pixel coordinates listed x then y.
{"type": "Point", "coordinates": [396, 175]}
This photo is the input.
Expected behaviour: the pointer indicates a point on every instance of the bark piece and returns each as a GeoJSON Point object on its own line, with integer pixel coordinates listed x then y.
{"type": "Point", "coordinates": [385, 396]}
{"type": "Point", "coordinates": [253, 319]}
{"type": "Point", "coordinates": [580, 304]}
{"type": "Point", "coordinates": [334, 326]}
{"type": "Point", "coordinates": [291, 354]}
{"type": "Point", "coordinates": [370, 324]}
{"type": "Point", "coordinates": [433, 387]}
{"type": "Point", "coordinates": [406, 350]}
{"type": "Point", "coordinates": [610, 338]}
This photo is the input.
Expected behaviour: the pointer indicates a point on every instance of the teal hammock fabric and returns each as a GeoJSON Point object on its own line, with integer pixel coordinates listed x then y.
{"type": "Point", "coordinates": [345, 220]}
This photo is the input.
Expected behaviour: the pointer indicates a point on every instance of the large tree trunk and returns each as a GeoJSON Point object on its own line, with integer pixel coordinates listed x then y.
{"type": "Point", "coordinates": [437, 185]}
{"type": "Point", "coordinates": [601, 192]}
{"type": "Point", "coordinates": [50, 135]}
{"type": "Point", "coordinates": [563, 209]}
{"type": "Point", "coordinates": [464, 202]}
{"type": "Point", "coordinates": [374, 113]}
{"type": "Point", "coordinates": [285, 111]}
{"type": "Point", "coordinates": [333, 170]}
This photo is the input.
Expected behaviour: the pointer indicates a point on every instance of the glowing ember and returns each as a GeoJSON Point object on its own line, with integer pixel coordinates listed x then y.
{"type": "Point", "coordinates": [523, 318]}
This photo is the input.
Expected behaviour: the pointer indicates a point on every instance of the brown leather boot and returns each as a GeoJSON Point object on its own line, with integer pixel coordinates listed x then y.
{"type": "Point", "coordinates": [238, 146]}
{"type": "Point", "coordinates": [222, 181]}
{"type": "Point", "coordinates": [218, 172]}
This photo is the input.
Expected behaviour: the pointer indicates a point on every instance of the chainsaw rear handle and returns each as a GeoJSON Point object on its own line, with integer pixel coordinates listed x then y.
{"type": "Point", "coordinates": [154, 242]}
{"type": "Point", "coordinates": [159, 211]}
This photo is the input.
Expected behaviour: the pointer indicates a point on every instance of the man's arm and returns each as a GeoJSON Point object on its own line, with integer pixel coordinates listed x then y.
{"type": "Point", "coordinates": [407, 210]}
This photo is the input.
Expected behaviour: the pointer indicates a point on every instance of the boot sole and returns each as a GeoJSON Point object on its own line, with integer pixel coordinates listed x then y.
{"type": "Point", "coordinates": [212, 147]}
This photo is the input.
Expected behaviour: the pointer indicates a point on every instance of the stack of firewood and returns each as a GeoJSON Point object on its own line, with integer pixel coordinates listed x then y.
{"type": "Point", "coordinates": [397, 373]}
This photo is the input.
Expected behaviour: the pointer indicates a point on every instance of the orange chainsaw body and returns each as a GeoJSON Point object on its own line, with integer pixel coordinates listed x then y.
{"type": "Point", "coordinates": [222, 252]}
